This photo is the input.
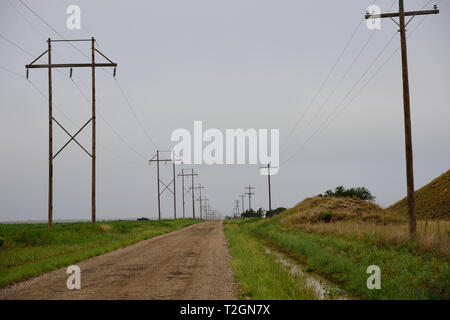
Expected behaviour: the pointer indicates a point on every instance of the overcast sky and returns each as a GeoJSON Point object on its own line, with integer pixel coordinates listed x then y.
{"type": "Point", "coordinates": [231, 64]}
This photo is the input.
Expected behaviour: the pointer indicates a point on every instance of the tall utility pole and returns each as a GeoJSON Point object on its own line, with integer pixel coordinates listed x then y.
{"type": "Point", "coordinates": [249, 193]}
{"type": "Point", "coordinates": [157, 159]}
{"type": "Point", "coordinates": [406, 102]}
{"type": "Point", "coordinates": [242, 202]}
{"type": "Point", "coordinates": [51, 119]}
{"type": "Point", "coordinates": [268, 167]}
{"type": "Point", "coordinates": [237, 205]}
{"type": "Point", "coordinates": [182, 189]}
{"type": "Point", "coordinates": [200, 187]}
{"type": "Point", "coordinates": [192, 174]}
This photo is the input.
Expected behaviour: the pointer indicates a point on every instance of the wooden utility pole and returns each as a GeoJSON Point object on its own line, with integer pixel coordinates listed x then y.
{"type": "Point", "coordinates": [236, 202]}
{"type": "Point", "coordinates": [406, 103]}
{"type": "Point", "coordinates": [192, 174]}
{"type": "Point", "coordinates": [50, 136]}
{"type": "Point", "coordinates": [249, 193]}
{"type": "Point", "coordinates": [51, 119]}
{"type": "Point", "coordinates": [200, 187]}
{"type": "Point", "coordinates": [94, 133]}
{"type": "Point", "coordinates": [268, 167]}
{"type": "Point", "coordinates": [182, 189]}
{"type": "Point", "coordinates": [242, 202]}
{"type": "Point", "coordinates": [157, 159]}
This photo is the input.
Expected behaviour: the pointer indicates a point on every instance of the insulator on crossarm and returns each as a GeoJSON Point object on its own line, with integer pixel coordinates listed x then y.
{"type": "Point", "coordinates": [28, 73]}
{"type": "Point", "coordinates": [114, 72]}
{"type": "Point", "coordinates": [71, 71]}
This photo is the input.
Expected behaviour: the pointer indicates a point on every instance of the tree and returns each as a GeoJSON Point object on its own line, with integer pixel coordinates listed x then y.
{"type": "Point", "coordinates": [253, 214]}
{"type": "Point", "coordinates": [275, 212]}
{"type": "Point", "coordinates": [359, 192]}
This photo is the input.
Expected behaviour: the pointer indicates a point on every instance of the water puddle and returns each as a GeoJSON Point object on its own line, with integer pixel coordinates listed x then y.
{"type": "Point", "coordinates": [323, 288]}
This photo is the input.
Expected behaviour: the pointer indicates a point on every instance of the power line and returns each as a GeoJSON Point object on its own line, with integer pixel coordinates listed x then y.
{"type": "Point", "coordinates": [12, 72]}
{"type": "Point", "coordinates": [108, 124]}
{"type": "Point", "coordinates": [53, 29]}
{"type": "Point", "coordinates": [127, 100]}
{"type": "Point", "coordinates": [77, 87]}
{"type": "Point", "coordinates": [323, 83]}
{"type": "Point", "coordinates": [327, 122]}
{"type": "Point", "coordinates": [343, 100]}
{"type": "Point", "coordinates": [286, 140]}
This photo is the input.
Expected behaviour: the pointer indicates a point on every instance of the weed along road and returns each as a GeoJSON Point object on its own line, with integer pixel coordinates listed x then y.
{"type": "Point", "coordinates": [192, 263]}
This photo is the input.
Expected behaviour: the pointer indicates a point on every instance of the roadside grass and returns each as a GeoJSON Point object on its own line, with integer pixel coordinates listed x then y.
{"type": "Point", "coordinates": [406, 273]}
{"type": "Point", "coordinates": [29, 250]}
{"type": "Point", "coordinates": [432, 236]}
{"type": "Point", "coordinates": [258, 274]}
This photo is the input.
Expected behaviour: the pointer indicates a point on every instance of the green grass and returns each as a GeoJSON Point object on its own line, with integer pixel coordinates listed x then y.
{"type": "Point", "coordinates": [29, 250]}
{"type": "Point", "coordinates": [405, 273]}
{"type": "Point", "coordinates": [258, 274]}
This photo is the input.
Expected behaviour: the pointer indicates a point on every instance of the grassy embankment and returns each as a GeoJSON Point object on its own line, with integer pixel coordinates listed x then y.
{"type": "Point", "coordinates": [29, 250]}
{"type": "Point", "coordinates": [258, 274]}
{"type": "Point", "coordinates": [340, 238]}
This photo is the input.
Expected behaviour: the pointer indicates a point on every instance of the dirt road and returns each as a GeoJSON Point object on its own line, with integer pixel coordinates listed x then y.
{"type": "Point", "coordinates": [192, 263]}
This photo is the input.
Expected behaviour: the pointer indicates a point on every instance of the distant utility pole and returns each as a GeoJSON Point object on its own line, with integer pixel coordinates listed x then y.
{"type": "Point", "coordinates": [406, 102]}
{"type": "Point", "coordinates": [192, 174]}
{"type": "Point", "coordinates": [200, 187]}
{"type": "Point", "coordinates": [237, 205]}
{"type": "Point", "coordinates": [249, 193]}
{"type": "Point", "coordinates": [242, 202]}
{"type": "Point", "coordinates": [268, 167]}
{"type": "Point", "coordinates": [167, 186]}
{"type": "Point", "coordinates": [50, 66]}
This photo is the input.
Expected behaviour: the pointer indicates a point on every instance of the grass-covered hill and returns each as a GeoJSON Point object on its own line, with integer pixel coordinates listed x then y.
{"type": "Point", "coordinates": [330, 209]}
{"type": "Point", "coordinates": [432, 200]}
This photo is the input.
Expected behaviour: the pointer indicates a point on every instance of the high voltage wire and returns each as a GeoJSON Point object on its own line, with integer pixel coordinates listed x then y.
{"type": "Point", "coordinates": [121, 90]}
{"type": "Point", "coordinates": [341, 80]}
{"type": "Point", "coordinates": [53, 29]}
{"type": "Point", "coordinates": [126, 98]}
{"type": "Point", "coordinates": [134, 114]}
{"type": "Point", "coordinates": [43, 95]}
{"type": "Point", "coordinates": [82, 93]}
{"type": "Point", "coordinates": [345, 98]}
{"type": "Point", "coordinates": [323, 83]}
{"type": "Point", "coordinates": [108, 124]}
{"type": "Point", "coordinates": [286, 140]}
{"type": "Point", "coordinates": [327, 122]}
{"type": "Point", "coordinates": [12, 72]}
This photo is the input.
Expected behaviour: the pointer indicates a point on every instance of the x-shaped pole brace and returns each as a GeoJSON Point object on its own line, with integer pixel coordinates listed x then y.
{"type": "Point", "coordinates": [167, 187]}
{"type": "Point", "coordinates": [72, 137]}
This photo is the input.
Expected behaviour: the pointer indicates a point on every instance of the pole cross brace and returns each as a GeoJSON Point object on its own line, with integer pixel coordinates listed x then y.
{"type": "Point", "coordinates": [72, 137]}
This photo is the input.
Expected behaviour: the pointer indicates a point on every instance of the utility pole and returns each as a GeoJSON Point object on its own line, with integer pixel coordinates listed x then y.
{"type": "Point", "coordinates": [249, 193]}
{"type": "Point", "coordinates": [268, 167]}
{"type": "Point", "coordinates": [182, 189]}
{"type": "Point", "coordinates": [406, 102]}
{"type": "Point", "coordinates": [157, 159]}
{"type": "Point", "coordinates": [242, 202]}
{"type": "Point", "coordinates": [200, 187]}
{"type": "Point", "coordinates": [51, 119]}
{"type": "Point", "coordinates": [237, 206]}
{"type": "Point", "coordinates": [192, 174]}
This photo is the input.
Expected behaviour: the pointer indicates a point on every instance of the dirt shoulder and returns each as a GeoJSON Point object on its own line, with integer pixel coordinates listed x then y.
{"type": "Point", "coordinates": [192, 263]}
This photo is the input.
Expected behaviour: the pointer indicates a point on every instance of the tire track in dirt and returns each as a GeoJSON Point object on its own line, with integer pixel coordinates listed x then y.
{"type": "Point", "coordinates": [192, 263]}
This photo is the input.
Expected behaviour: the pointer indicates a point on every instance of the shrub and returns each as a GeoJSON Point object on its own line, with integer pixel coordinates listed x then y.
{"type": "Point", "coordinates": [326, 216]}
{"type": "Point", "coordinates": [359, 192]}
{"type": "Point", "coordinates": [2, 240]}
{"type": "Point", "coordinates": [275, 212]}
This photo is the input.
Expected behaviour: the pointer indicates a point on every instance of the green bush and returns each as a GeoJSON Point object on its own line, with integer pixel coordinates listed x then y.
{"type": "Point", "coordinates": [1, 241]}
{"type": "Point", "coordinates": [340, 192]}
{"type": "Point", "coordinates": [326, 216]}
